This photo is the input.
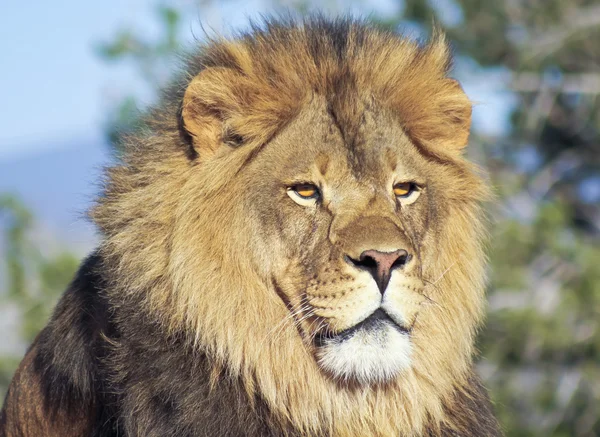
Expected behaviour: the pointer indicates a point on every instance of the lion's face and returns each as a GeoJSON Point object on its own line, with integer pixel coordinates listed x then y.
{"type": "Point", "coordinates": [350, 226]}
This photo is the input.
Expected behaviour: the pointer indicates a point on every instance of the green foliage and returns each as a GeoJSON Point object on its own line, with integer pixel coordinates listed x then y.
{"type": "Point", "coordinates": [542, 341]}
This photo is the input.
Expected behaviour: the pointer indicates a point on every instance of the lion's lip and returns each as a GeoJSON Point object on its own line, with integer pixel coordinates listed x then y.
{"type": "Point", "coordinates": [374, 321]}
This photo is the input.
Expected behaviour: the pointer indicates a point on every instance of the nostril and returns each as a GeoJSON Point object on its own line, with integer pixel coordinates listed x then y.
{"type": "Point", "coordinates": [362, 262]}
{"type": "Point", "coordinates": [365, 262]}
{"type": "Point", "coordinates": [368, 261]}
{"type": "Point", "coordinates": [352, 261]}
{"type": "Point", "coordinates": [403, 259]}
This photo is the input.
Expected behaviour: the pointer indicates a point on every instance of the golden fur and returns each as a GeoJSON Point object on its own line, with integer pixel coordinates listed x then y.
{"type": "Point", "coordinates": [183, 238]}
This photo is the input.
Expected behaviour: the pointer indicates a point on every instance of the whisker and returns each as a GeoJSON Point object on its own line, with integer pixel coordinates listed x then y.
{"type": "Point", "coordinates": [322, 324]}
{"type": "Point", "coordinates": [433, 284]}
{"type": "Point", "coordinates": [313, 332]}
{"type": "Point", "coordinates": [295, 322]}
{"type": "Point", "coordinates": [444, 274]}
{"type": "Point", "coordinates": [280, 327]}
{"type": "Point", "coordinates": [427, 297]}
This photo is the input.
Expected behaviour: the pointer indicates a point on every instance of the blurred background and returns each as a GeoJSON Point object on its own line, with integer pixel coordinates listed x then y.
{"type": "Point", "coordinates": [75, 74]}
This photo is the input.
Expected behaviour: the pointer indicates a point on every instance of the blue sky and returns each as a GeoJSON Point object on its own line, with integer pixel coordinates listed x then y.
{"type": "Point", "coordinates": [53, 86]}
{"type": "Point", "coordinates": [51, 81]}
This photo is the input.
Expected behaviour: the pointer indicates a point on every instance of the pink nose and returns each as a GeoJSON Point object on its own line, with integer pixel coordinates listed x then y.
{"type": "Point", "coordinates": [380, 264]}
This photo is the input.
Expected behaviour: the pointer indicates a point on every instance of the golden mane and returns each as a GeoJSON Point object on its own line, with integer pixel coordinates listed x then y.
{"type": "Point", "coordinates": [177, 237]}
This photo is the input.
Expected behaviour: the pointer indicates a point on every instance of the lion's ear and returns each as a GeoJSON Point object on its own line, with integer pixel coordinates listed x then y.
{"type": "Point", "coordinates": [211, 100]}
{"type": "Point", "coordinates": [434, 109]}
{"type": "Point", "coordinates": [446, 118]}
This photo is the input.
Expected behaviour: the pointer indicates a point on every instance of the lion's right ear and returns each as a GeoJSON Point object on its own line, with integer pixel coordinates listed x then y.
{"type": "Point", "coordinates": [211, 101]}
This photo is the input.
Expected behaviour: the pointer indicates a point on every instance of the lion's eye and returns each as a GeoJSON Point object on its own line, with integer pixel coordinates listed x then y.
{"type": "Point", "coordinates": [306, 191]}
{"type": "Point", "coordinates": [403, 189]}
{"type": "Point", "coordinates": [304, 194]}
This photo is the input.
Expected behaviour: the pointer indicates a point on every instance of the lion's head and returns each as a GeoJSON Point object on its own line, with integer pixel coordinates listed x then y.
{"type": "Point", "coordinates": [300, 206]}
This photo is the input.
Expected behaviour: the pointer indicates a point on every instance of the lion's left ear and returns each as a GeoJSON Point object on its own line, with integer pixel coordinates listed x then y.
{"type": "Point", "coordinates": [234, 102]}
{"type": "Point", "coordinates": [210, 105]}
{"type": "Point", "coordinates": [433, 108]}
{"type": "Point", "coordinates": [446, 118]}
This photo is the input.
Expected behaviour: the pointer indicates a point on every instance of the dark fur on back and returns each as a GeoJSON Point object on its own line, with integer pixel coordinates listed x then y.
{"type": "Point", "coordinates": [109, 363]}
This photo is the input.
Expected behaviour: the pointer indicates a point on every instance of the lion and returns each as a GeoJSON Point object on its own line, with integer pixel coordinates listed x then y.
{"type": "Point", "coordinates": [292, 245]}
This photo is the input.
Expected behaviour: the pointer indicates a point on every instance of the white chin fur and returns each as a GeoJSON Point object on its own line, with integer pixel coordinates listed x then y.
{"type": "Point", "coordinates": [369, 356]}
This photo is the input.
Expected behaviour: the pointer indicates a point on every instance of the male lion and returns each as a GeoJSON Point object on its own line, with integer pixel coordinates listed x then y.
{"type": "Point", "coordinates": [292, 247]}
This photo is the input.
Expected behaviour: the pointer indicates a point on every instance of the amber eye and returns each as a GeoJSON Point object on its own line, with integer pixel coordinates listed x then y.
{"type": "Point", "coordinates": [306, 191]}
{"type": "Point", "coordinates": [403, 189]}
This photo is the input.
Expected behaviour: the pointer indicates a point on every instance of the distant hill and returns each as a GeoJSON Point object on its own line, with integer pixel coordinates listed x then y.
{"type": "Point", "coordinates": [59, 185]}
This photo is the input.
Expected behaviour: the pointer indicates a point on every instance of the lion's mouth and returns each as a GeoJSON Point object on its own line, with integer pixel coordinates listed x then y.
{"type": "Point", "coordinates": [377, 320]}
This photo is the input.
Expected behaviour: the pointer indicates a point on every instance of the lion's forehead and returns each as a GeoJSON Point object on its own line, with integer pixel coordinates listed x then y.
{"type": "Point", "coordinates": [362, 152]}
